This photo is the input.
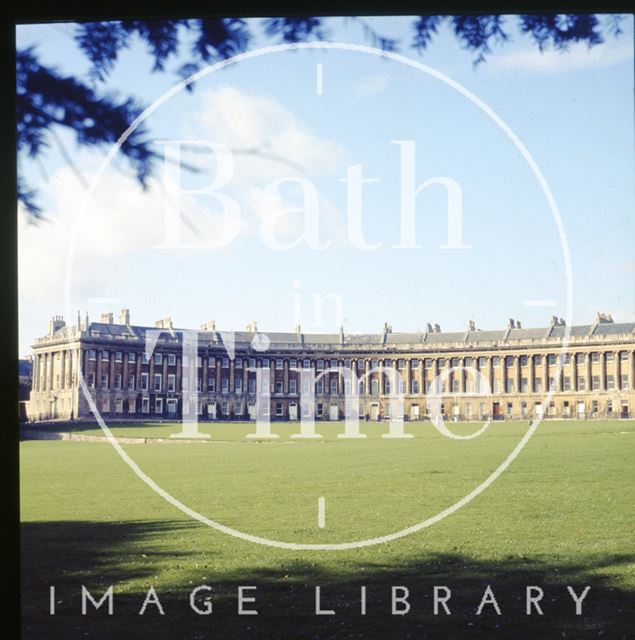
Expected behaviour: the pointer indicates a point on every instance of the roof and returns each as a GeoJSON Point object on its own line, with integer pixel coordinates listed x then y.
{"type": "Point", "coordinates": [297, 340]}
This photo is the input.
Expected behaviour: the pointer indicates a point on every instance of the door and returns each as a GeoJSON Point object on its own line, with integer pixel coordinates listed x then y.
{"type": "Point", "coordinates": [581, 410]}
{"type": "Point", "coordinates": [293, 411]}
{"type": "Point", "coordinates": [414, 412]}
{"type": "Point", "coordinates": [251, 408]}
{"type": "Point", "coordinates": [334, 413]}
{"type": "Point", "coordinates": [496, 410]}
{"type": "Point", "coordinates": [374, 411]}
{"type": "Point", "coordinates": [539, 410]}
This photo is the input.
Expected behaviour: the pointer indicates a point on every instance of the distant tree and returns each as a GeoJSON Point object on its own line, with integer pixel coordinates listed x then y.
{"type": "Point", "coordinates": [47, 99]}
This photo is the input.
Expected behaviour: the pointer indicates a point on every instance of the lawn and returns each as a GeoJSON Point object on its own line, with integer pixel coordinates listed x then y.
{"type": "Point", "coordinates": [561, 514]}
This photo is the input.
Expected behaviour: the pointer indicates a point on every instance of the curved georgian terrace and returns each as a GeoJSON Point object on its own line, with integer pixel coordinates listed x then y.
{"type": "Point", "coordinates": [129, 380]}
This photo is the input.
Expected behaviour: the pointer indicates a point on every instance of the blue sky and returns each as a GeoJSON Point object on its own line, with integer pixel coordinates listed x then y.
{"type": "Point", "coordinates": [573, 112]}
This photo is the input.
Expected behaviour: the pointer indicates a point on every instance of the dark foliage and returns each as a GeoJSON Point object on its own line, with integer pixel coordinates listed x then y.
{"type": "Point", "coordinates": [47, 99]}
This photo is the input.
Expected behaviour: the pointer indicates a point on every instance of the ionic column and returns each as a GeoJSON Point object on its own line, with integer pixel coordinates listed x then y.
{"type": "Point", "coordinates": [602, 371]}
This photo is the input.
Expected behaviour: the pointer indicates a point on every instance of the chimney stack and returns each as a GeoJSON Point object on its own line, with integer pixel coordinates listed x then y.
{"type": "Point", "coordinates": [106, 318]}
{"type": "Point", "coordinates": [471, 326]}
{"type": "Point", "coordinates": [165, 323]}
{"type": "Point", "coordinates": [124, 316]}
{"type": "Point", "coordinates": [55, 324]}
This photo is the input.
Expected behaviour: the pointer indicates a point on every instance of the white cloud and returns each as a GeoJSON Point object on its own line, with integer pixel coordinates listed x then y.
{"type": "Point", "coordinates": [577, 57]}
{"type": "Point", "coordinates": [268, 139]}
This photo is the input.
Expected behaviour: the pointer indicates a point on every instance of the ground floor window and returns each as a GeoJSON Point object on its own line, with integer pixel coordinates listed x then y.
{"type": "Point", "coordinates": [320, 410]}
{"type": "Point", "coordinates": [145, 405]}
{"type": "Point", "coordinates": [224, 407]}
{"type": "Point", "coordinates": [131, 406]}
{"type": "Point", "coordinates": [279, 409]}
{"type": "Point", "coordinates": [171, 406]}
{"type": "Point", "coordinates": [105, 405]}
{"type": "Point", "coordinates": [118, 405]}
{"type": "Point", "coordinates": [158, 405]}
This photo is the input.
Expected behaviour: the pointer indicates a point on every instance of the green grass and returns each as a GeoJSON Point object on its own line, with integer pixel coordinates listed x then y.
{"type": "Point", "coordinates": [561, 514]}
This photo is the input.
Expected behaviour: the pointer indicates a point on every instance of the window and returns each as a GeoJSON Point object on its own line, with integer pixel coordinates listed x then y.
{"type": "Point", "coordinates": [279, 410]}
{"type": "Point", "coordinates": [610, 356]}
{"type": "Point", "coordinates": [374, 388]}
{"type": "Point", "coordinates": [347, 387]}
{"type": "Point", "coordinates": [468, 362]}
{"type": "Point", "coordinates": [145, 405]}
{"type": "Point", "coordinates": [224, 385]}
{"type": "Point", "coordinates": [171, 382]}
{"type": "Point", "coordinates": [427, 363]}
{"type": "Point", "coordinates": [225, 363]}
{"type": "Point", "coordinates": [387, 386]}
{"type": "Point", "coordinates": [581, 383]}
{"type": "Point", "coordinates": [509, 361]}
{"type": "Point", "coordinates": [455, 386]}
{"type": "Point", "coordinates": [551, 359]}
{"type": "Point", "coordinates": [92, 354]}
{"type": "Point", "coordinates": [595, 356]}
{"type": "Point", "coordinates": [537, 360]}
{"type": "Point", "coordinates": [374, 364]}
{"type": "Point", "coordinates": [171, 406]}
{"type": "Point", "coordinates": [131, 384]}
{"type": "Point", "coordinates": [279, 386]}
{"type": "Point", "coordinates": [117, 381]}
{"type": "Point", "coordinates": [293, 363]}
{"type": "Point", "coordinates": [144, 358]}
{"type": "Point", "coordinates": [144, 382]}
{"type": "Point", "coordinates": [158, 405]}
{"type": "Point", "coordinates": [566, 358]}
{"type": "Point", "coordinates": [199, 362]}
{"type": "Point", "coordinates": [211, 361]}
{"type": "Point", "coordinates": [132, 408]}
{"type": "Point", "coordinates": [91, 380]}
{"type": "Point", "coordinates": [552, 384]}
{"type": "Point", "coordinates": [624, 382]}
{"type": "Point", "coordinates": [306, 363]}
{"type": "Point", "coordinates": [252, 363]}
{"type": "Point", "coordinates": [497, 386]}
{"type": "Point", "coordinates": [595, 383]}
{"type": "Point", "coordinates": [496, 361]}
{"type": "Point", "coordinates": [104, 381]}
{"type": "Point", "coordinates": [414, 385]}
{"type": "Point", "coordinates": [158, 358]}
{"type": "Point", "coordinates": [104, 355]}
{"type": "Point", "coordinates": [293, 386]}
{"type": "Point", "coordinates": [157, 381]}
{"type": "Point", "coordinates": [510, 386]}
{"type": "Point", "coordinates": [265, 363]}
{"type": "Point", "coordinates": [580, 358]}
{"type": "Point", "coordinates": [320, 410]}
{"type": "Point", "coordinates": [320, 388]}
{"type": "Point", "coordinates": [118, 405]}
{"type": "Point", "coordinates": [132, 357]}
{"type": "Point", "coordinates": [566, 383]}
{"type": "Point", "coordinates": [171, 361]}
{"type": "Point", "coordinates": [279, 365]}
{"type": "Point", "coordinates": [224, 408]}
{"type": "Point", "coordinates": [347, 363]}
{"type": "Point", "coordinates": [333, 363]}
{"type": "Point", "coordinates": [211, 384]}
{"type": "Point", "coordinates": [594, 406]}
{"type": "Point", "coordinates": [523, 361]}
{"type": "Point", "coordinates": [414, 364]}
{"type": "Point", "coordinates": [333, 386]}
{"type": "Point", "coordinates": [609, 406]}
{"type": "Point", "coordinates": [610, 382]}
{"type": "Point", "coordinates": [524, 385]}
{"type": "Point", "coordinates": [251, 385]}
{"type": "Point", "coordinates": [441, 363]}
{"type": "Point", "coordinates": [623, 356]}
{"type": "Point", "coordinates": [238, 385]}
{"type": "Point", "coordinates": [401, 364]}
{"type": "Point", "coordinates": [361, 389]}
{"type": "Point", "coordinates": [118, 357]}
{"type": "Point", "coordinates": [105, 405]}
{"type": "Point", "coordinates": [320, 365]}
{"type": "Point", "coordinates": [482, 362]}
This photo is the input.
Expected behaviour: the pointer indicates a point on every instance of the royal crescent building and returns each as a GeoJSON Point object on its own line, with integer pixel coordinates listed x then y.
{"type": "Point", "coordinates": [592, 378]}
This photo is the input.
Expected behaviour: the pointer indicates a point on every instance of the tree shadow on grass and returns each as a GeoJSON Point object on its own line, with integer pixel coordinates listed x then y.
{"type": "Point", "coordinates": [70, 554]}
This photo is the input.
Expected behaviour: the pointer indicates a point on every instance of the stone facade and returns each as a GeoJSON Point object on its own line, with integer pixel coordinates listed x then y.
{"type": "Point", "coordinates": [519, 365]}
